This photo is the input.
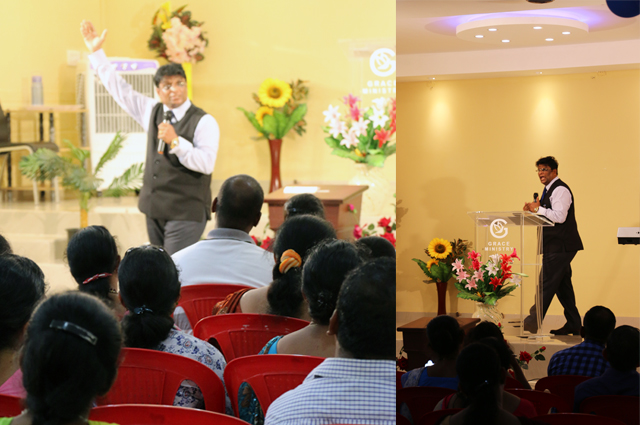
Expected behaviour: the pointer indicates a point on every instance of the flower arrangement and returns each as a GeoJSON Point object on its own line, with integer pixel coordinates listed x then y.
{"type": "Point", "coordinates": [487, 282]}
{"type": "Point", "coordinates": [388, 229]}
{"type": "Point", "coordinates": [279, 108]}
{"type": "Point", "coordinates": [524, 358]}
{"type": "Point", "coordinates": [264, 242]}
{"type": "Point", "coordinates": [176, 37]}
{"type": "Point", "coordinates": [364, 135]}
{"type": "Point", "coordinates": [402, 363]}
{"type": "Point", "coordinates": [442, 253]}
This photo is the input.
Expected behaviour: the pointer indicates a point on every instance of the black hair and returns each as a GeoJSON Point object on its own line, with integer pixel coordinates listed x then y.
{"type": "Point", "coordinates": [548, 160]}
{"type": "Point", "coordinates": [599, 322]}
{"type": "Point", "coordinates": [300, 234]}
{"type": "Point", "coordinates": [327, 265]}
{"type": "Point", "coordinates": [21, 288]}
{"type": "Point", "coordinates": [90, 252]}
{"type": "Point", "coordinates": [239, 202]}
{"type": "Point", "coordinates": [623, 348]}
{"type": "Point", "coordinates": [479, 371]}
{"type": "Point", "coordinates": [445, 336]}
{"type": "Point", "coordinates": [149, 287]}
{"type": "Point", "coordinates": [502, 350]}
{"type": "Point", "coordinates": [62, 370]}
{"type": "Point", "coordinates": [484, 329]}
{"type": "Point", "coordinates": [379, 246]}
{"type": "Point", "coordinates": [168, 70]}
{"type": "Point", "coordinates": [5, 247]}
{"type": "Point", "coordinates": [366, 311]}
{"type": "Point", "coordinates": [303, 203]}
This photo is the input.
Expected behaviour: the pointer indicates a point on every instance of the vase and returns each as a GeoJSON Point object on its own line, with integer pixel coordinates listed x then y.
{"type": "Point", "coordinates": [486, 312]}
{"type": "Point", "coordinates": [378, 199]}
{"type": "Point", "coordinates": [275, 145]}
{"type": "Point", "coordinates": [442, 297]}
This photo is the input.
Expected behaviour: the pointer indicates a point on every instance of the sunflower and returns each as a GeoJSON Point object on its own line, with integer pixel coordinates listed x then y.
{"type": "Point", "coordinates": [431, 262]}
{"type": "Point", "coordinates": [262, 111]}
{"type": "Point", "coordinates": [274, 93]}
{"type": "Point", "coordinates": [439, 248]}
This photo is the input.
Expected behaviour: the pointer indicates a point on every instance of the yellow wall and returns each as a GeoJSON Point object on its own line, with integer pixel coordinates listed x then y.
{"type": "Point", "coordinates": [248, 42]}
{"type": "Point", "coordinates": [471, 145]}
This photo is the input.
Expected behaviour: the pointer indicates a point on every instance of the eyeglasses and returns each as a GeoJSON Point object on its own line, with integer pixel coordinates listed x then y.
{"type": "Point", "coordinates": [177, 86]}
{"type": "Point", "coordinates": [542, 170]}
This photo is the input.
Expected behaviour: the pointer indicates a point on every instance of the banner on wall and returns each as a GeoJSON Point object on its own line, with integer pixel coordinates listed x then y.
{"type": "Point", "coordinates": [373, 68]}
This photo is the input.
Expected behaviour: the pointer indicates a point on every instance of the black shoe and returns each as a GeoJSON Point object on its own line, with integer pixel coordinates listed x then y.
{"type": "Point", "coordinates": [565, 331]}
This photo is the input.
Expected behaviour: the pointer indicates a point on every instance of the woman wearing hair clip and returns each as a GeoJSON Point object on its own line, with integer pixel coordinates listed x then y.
{"type": "Point", "coordinates": [283, 297]}
{"type": "Point", "coordinates": [93, 260]}
{"type": "Point", "coordinates": [150, 289]}
{"type": "Point", "coordinates": [69, 358]}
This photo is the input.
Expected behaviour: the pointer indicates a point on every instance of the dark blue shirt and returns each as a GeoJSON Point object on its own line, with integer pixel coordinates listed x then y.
{"type": "Point", "coordinates": [584, 359]}
{"type": "Point", "coordinates": [612, 382]}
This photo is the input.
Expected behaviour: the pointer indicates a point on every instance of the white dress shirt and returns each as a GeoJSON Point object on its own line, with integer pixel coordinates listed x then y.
{"type": "Point", "coordinates": [560, 203]}
{"type": "Point", "coordinates": [199, 156]}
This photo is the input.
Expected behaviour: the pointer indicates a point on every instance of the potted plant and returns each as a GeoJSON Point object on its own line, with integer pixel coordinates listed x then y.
{"type": "Point", "coordinates": [44, 164]}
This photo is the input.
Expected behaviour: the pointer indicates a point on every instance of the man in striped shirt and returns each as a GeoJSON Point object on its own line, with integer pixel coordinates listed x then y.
{"type": "Point", "coordinates": [586, 358]}
{"type": "Point", "coordinates": [358, 385]}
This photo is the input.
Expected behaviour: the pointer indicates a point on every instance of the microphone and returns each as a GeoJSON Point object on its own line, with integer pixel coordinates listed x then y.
{"type": "Point", "coordinates": [535, 196]}
{"type": "Point", "coordinates": [167, 119]}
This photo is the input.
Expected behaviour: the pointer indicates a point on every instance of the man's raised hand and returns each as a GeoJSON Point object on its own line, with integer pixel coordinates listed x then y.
{"type": "Point", "coordinates": [91, 39]}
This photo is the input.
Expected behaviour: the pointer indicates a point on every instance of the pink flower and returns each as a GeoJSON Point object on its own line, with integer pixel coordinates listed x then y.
{"type": "Point", "coordinates": [382, 136]}
{"type": "Point", "coordinates": [357, 232]}
{"type": "Point", "coordinates": [513, 254]}
{"type": "Point", "coordinates": [471, 284]}
{"type": "Point", "coordinates": [478, 275]}
{"type": "Point", "coordinates": [351, 207]}
{"type": "Point", "coordinates": [457, 265]}
{"type": "Point", "coordinates": [355, 113]}
{"type": "Point", "coordinates": [351, 100]}
{"type": "Point", "coordinates": [462, 276]}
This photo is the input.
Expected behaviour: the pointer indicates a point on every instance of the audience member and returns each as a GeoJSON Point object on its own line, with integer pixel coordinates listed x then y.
{"type": "Point", "coordinates": [70, 356]}
{"type": "Point", "coordinates": [283, 297]}
{"type": "Point", "coordinates": [228, 254]}
{"type": "Point", "coordinates": [358, 385]}
{"type": "Point", "coordinates": [150, 289]}
{"type": "Point", "coordinates": [93, 260]}
{"type": "Point", "coordinates": [511, 403]}
{"type": "Point", "coordinates": [620, 378]}
{"type": "Point", "coordinates": [482, 378]}
{"type": "Point", "coordinates": [5, 247]}
{"type": "Point", "coordinates": [304, 203]}
{"type": "Point", "coordinates": [586, 358]}
{"type": "Point", "coordinates": [380, 247]}
{"type": "Point", "coordinates": [445, 340]}
{"type": "Point", "coordinates": [21, 288]}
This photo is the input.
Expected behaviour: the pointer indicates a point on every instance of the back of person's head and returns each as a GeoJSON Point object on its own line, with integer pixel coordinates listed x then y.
{"type": "Point", "coordinates": [295, 237]}
{"type": "Point", "coordinates": [484, 329]}
{"type": "Point", "coordinates": [366, 309]}
{"type": "Point", "coordinates": [479, 377]}
{"type": "Point", "coordinates": [623, 348]}
{"type": "Point", "coordinates": [168, 70]}
{"type": "Point", "coordinates": [599, 322]}
{"type": "Point", "coordinates": [549, 161]}
{"type": "Point", "coordinates": [445, 336]}
{"type": "Point", "coordinates": [21, 288]}
{"type": "Point", "coordinates": [93, 257]}
{"type": "Point", "coordinates": [70, 356]}
{"type": "Point", "coordinates": [327, 265]}
{"type": "Point", "coordinates": [239, 202]}
{"type": "Point", "coordinates": [380, 247]}
{"type": "Point", "coordinates": [502, 349]}
{"type": "Point", "coordinates": [303, 203]}
{"type": "Point", "coordinates": [149, 288]}
{"type": "Point", "coordinates": [5, 247]}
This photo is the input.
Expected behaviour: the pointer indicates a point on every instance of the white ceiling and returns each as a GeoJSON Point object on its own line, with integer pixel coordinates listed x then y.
{"type": "Point", "coordinates": [428, 47]}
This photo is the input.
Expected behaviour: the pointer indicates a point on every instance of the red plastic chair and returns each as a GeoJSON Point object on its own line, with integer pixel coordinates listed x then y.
{"type": "Point", "coordinates": [270, 375]}
{"type": "Point", "coordinates": [153, 377]}
{"type": "Point", "coordinates": [542, 401]}
{"type": "Point", "coordinates": [562, 385]}
{"type": "Point", "coordinates": [399, 380]}
{"type": "Point", "coordinates": [198, 300]}
{"type": "Point", "coordinates": [152, 414]}
{"type": "Point", "coordinates": [432, 418]}
{"type": "Point", "coordinates": [512, 382]}
{"type": "Point", "coordinates": [622, 407]}
{"type": "Point", "coordinates": [576, 419]}
{"type": "Point", "coordinates": [10, 406]}
{"type": "Point", "coordinates": [421, 400]}
{"type": "Point", "coordinates": [241, 334]}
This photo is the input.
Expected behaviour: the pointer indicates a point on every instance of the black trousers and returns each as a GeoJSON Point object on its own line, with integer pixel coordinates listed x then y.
{"type": "Point", "coordinates": [556, 281]}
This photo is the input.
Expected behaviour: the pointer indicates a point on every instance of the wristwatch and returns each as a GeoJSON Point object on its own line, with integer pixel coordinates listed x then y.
{"type": "Point", "coordinates": [174, 143]}
{"type": "Point", "coordinates": [537, 208]}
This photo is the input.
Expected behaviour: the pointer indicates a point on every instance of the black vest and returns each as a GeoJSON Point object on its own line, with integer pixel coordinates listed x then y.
{"type": "Point", "coordinates": [171, 191]}
{"type": "Point", "coordinates": [563, 237]}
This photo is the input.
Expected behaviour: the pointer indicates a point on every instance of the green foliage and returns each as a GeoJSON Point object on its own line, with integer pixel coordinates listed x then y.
{"type": "Point", "coordinates": [129, 181]}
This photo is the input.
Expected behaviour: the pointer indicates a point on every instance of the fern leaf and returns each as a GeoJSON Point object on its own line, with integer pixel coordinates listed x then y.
{"type": "Point", "coordinates": [116, 145]}
{"type": "Point", "coordinates": [78, 153]}
{"type": "Point", "coordinates": [129, 181]}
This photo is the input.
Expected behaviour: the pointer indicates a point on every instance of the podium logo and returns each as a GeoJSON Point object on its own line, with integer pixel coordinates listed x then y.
{"type": "Point", "coordinates": [381, 62]}
{"type": "Point", "coordinates": [499, 228]}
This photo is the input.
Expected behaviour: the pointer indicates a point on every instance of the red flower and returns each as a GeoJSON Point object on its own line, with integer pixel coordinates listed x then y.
{"type": "Point", "coordinates": [388, 229]}
{"type": "Point", "coordinates": [382, 136]}
{"type": "Point", "coordinates": [473, 255]}
{"type": "Point", "coordinates": [355, 113]}
{"type": "Point", "coordinates": [357, 232]}
{"type": "Point", "coordinates": [351, 207]}
{"type": "Point", "coordinates": [256, 240]}
{"type": "Point", "coordinates": [351, 100]}
{"type": "Point", "coordinates": [266, 243]}
{"type": "Point", "coordinates": [495, 282]}
{"type": "Point", "coordinates": [542, 349]}
{"type": "Point", "coordinates": [402, 363]}
{"type": "Point", "coordinates": [475, 264]}
{"type": "Point", "coordinates": [525, 357]}
{"type": "Point", "coordinates": [384, 222]}
{"type": "Point", "coordinates": [389, 237]}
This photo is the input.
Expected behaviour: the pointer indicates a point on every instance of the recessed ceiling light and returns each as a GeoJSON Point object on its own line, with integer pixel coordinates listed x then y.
{"type": "Point", "coordinates": [537, 28]}
{"type": "Point", "coordinates": [539, 72]}
{"type": "Point", "coordinates": [505, 41]}
{"type": "Point", "coordinates": [479, 36]}
{"type": "Point", "coordinates": [433, 78]}
{"type": "Point", "coordinates": [549, 39]}
{"type": "Point", "coordinates": [493, 29]}
{"type": "Point", "coordinates": [566, 32]}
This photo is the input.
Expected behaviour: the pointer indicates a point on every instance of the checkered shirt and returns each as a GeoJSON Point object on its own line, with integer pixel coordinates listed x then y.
{"type": "Point", "coordinates": [583, 359]}
{"type": "Point", "coordinates": [340, 391]}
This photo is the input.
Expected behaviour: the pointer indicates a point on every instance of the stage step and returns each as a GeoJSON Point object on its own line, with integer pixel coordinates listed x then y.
{"type": "Point", "coordinates": [41, 248]}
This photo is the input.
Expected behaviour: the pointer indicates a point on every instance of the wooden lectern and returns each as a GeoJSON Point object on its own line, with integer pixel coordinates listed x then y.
{"type": "Point", "coordinates": [336, 200]}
